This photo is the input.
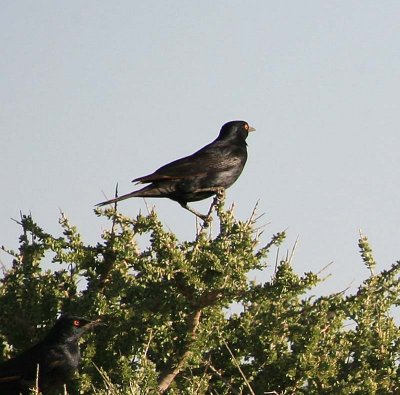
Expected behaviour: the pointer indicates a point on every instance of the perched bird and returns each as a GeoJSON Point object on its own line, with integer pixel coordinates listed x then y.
{"type": "Point", "coordinates": [55, 359]}
{"type": "Point", "coordinates": [208, 171]}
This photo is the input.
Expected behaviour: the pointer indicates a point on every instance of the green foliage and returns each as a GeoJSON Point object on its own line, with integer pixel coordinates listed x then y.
{"type": "Point", "coordinates": [166, 304]}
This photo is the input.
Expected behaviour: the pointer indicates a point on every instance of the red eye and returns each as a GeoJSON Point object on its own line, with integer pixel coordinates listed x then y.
{"type": "Point", "coordinates": [77, 323]}
{"type": "Point", "coordinates": [246, 126]}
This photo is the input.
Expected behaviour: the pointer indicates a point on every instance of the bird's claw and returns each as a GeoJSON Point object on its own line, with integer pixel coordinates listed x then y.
{"type": "Point", "coordinates": [207, 220]}
{"type": "Point", "coordinates": [220, 193]}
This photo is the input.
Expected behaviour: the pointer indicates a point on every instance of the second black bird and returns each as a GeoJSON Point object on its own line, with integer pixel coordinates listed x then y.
{"type": "Point", "coordinates": [213, 168]}
{"type": "Point", "coordinates": [55, 358]}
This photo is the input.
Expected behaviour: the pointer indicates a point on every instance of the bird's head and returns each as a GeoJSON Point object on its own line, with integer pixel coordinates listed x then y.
{"type": "Point", "coordinates": [71, 327]}
{"type": "Point", "coordinates": [235, 130]}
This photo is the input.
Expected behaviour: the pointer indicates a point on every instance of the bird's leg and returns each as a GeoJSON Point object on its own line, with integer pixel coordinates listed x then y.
{"type": "Point", "coordinates": [205, 218]}
{"type": "Point", "coordinates": [219, 195]}
{"type": "Point", "coordinates": [210, 210]}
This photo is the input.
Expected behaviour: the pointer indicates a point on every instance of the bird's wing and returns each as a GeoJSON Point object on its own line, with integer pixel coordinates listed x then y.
{"type": "Point", "coordinates": [54, 358]}
{"type": "Point", "coordinates": [10, 371]}
{"type": "Point", "coordinates": [8, 378]}
{"type": "Point", "coordinates": [22, 366]}
{"type": "Point", "coordinates": [200, 163]}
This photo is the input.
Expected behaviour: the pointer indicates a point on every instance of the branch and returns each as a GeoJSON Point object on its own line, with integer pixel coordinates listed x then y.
{"type": "Point", "coordinates": [109, 254]}
{"type": "Point", "coordinates": [168, 376]}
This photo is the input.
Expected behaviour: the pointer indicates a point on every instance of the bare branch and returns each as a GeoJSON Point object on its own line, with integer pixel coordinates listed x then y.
{"type": "Point", "coordinates": [168, 376]}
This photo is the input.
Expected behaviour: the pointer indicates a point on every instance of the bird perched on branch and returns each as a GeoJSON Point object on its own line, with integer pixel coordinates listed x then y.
{"type": "Point", "coordinates": [207, 172]}
{"type": "Point", "coordinates": [53, 360]}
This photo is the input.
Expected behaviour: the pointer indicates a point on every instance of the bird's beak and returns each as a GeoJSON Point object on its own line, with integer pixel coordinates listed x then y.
{"type": "Point", "coordinates": [93, 324]}
{"type": "Point", "coordinates": [251, 129]}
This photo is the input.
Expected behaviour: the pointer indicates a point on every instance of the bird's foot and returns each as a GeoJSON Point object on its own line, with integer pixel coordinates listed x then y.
{"type": "Point", "coordinates": [205, 217]}
{"type": "Point", "coordinates": [219, 191]}
{"type": "Point", "coordinates": [207, 220]}
{"type": "Point", "coordinates": [220, 194]}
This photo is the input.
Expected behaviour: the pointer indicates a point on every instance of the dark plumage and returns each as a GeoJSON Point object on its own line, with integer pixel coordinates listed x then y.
{"type": "Point", "coordinates": [213, 168]}
{"type": "Point", "coordinates": [57, 355]}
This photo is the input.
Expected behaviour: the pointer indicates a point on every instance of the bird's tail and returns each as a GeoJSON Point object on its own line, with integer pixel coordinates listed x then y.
{"type": "Point", "coordinates": [119, 198]}
{"type": "Point", "coordinates": [148, 191]}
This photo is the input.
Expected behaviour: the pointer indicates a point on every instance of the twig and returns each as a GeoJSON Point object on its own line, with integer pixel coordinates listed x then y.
{"type": "Point", "coordinates": [223, 379]}
{"type": "Point", "coordinates": [324, 268]}
{"type": "Point", "coordinates": [239, 368]}
{"type": "Point", "coordinates": [148, 343]}
{"type": "Point", "coordinates": [149, 211]}
{"type": "Point", "coordinates": [109, 254]}
{"type": "Point", "coordinates": [197, 390]}
{"type": "Point", "coordinates": [37, 380]}
{"type": "Point", "coordinates": [253, 216]}
{"type": "Point", "coordinates": [276, 261]}
{"type": "Point", "coordinates": [289, 260]}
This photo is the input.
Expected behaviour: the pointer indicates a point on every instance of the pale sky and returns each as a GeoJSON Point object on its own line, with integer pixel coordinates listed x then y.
{"type": "Point", "coordinates": [93, 93]}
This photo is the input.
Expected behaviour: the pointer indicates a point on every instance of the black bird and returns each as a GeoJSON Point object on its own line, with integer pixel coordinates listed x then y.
{"type": "Point", "coordinates": [208, 171]}
{"type": "Point", "coordinates": [57, 356]}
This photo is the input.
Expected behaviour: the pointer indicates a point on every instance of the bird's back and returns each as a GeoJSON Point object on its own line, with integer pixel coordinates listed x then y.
{"type": "Point", "coordinates": [218, 156]}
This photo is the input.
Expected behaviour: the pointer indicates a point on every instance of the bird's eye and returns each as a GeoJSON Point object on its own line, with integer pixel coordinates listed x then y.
{"type": "Point", "coordinates": [246, 126]}
{"type": "Point", "coordinates": [77, 323]}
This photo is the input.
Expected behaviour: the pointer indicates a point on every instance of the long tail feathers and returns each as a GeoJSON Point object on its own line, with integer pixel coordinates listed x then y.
{"type": "Point", "coordinates": [119, 198]}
